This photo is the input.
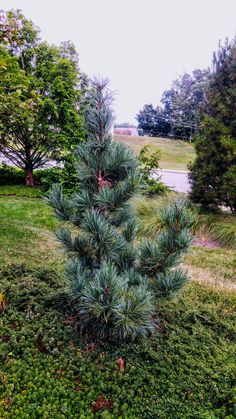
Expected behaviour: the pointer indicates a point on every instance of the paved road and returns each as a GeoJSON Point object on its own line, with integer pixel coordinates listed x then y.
{"type": "Point", "coordinates": [175, 180]}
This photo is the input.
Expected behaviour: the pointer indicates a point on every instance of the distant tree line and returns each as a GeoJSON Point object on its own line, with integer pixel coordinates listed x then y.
{"type": "Point", "coordinates": [179, 113]}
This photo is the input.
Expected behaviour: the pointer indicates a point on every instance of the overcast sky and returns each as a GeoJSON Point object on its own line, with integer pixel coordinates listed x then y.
{"type": "Point", "coordinates": [141, 45]}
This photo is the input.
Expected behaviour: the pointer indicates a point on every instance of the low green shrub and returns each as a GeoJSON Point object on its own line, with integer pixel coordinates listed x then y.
{"type": "Point", "coordinates": [66, 176]}
{"type": "Point", "coordinates": [10, 175]}
{"type": "Point", "coordinates": [148, 166]}
{"type": "Point", "coordinates": [186, 370]}
{"type": "Point", "coordinates": [69, 178]}
{"type": "Point", "coordinates": [44, 178]}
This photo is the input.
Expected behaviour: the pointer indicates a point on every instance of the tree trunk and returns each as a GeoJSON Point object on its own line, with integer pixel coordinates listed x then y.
{"type": "Point", "coordinates": [29, 180]}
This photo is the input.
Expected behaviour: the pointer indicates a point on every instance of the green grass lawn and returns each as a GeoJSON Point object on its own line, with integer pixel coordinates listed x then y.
{"type": "Point", "coordinates": [186, 370]}
{"type": "Point", "coordinates": [175, 154]}
{"type": "Point", "coordinates": [20, 190]}
{"type": "Point", "coordinates": [26, 231]}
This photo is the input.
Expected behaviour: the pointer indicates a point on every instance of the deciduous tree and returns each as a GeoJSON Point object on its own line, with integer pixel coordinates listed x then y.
{"type": "Point", "coordinates": [39, 96]}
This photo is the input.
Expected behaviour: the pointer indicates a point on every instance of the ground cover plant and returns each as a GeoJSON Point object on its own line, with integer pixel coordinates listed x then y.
{"type": "Point", "coordinates": [187, 369]}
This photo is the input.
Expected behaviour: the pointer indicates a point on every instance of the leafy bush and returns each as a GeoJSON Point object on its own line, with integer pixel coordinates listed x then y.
{"type": "Point", "coordinates": [10, 175]}
{"type": "Point", "coordinates": [149, 164]}
{"type": "Point", "coordinates": [69, 178]}
{"type": "Point", "coordinates": [44, 178]}
{"type": "Point", "coordinates": [66, 176]}
{"type": "Point", "coordinates": [112, 281]}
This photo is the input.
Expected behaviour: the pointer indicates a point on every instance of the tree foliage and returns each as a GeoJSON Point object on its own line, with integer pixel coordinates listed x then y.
{"type": "Point", "coordinates": [152, 121]}
{"type": "Point", "coordinates": [148, 166]}
{"type": "Point", "coordinates": [213, 174]}
{"type": "Point", "coordinates": [221, 91]}
{"type": "Point", "coordinates": [39, 95]}
{"type": "Point", "coordinates": [113, 281]}
{"type": "Point", "coordinates": [179, 114]}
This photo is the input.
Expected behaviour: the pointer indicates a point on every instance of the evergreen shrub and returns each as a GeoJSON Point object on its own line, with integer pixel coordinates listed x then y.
{"type": "Point", "coordinates": [113, 280]}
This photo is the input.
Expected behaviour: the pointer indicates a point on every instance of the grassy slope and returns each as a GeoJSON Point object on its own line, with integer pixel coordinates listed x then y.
{"type": "Point", "coordinates": [186, 370]}
{"type": "Point", "coordinates": [175, 154]}
{"type": "Point", "coordinates": [26, 231]}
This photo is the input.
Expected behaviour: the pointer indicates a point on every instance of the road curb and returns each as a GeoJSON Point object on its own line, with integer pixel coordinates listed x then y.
{"type": "Point", "coordinates": [172, 171]}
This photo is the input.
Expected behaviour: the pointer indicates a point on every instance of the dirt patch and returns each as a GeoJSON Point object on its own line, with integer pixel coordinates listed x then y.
{"type": "Point", "coordinates": [206, 276]}
{"type": "Point", "coordinates": [206, 242]}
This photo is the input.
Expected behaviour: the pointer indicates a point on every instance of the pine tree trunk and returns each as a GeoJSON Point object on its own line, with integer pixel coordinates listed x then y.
{"type": "Point", "coordinates": [29, 179]}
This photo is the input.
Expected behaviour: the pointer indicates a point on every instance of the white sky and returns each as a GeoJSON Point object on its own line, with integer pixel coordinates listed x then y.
{"type": "Point", "coordinates": [141, 45]}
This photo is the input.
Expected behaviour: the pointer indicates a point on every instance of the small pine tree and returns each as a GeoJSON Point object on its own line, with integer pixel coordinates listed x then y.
{"type": "Point", "coordinates": [112, 280]}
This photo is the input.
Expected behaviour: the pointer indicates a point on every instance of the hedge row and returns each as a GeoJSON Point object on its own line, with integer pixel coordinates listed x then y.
{"type": "Point", "coordinates": [10, 175]}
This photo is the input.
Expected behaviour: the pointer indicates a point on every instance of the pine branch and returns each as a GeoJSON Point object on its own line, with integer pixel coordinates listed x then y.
{"type": "Point", "coordinates": [59, 203]}
{"type": "Point", "coordinates": [169, 283]}
{"type": "Point", "coordinates": [113, 198]}
{"type": "Point", "coordinates": [79, 247]}
{"type": "Point", "coordinates": [77, 277]}
{"type": "Point", "coordinates": [130, 231]}
{"type": "Point", "coordinates": [104, 238]}
{"type": "Point", "coordinates": [122, 215]}
{"type": "Point", "coordinates": [171, 244]}
{"type": "Point", "coordinates": [133, 314]}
